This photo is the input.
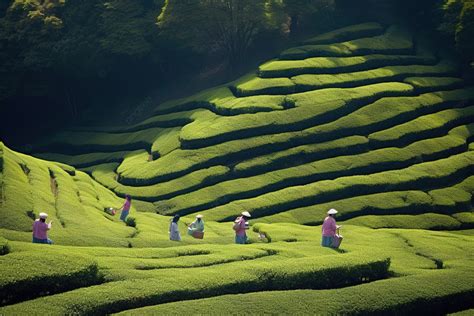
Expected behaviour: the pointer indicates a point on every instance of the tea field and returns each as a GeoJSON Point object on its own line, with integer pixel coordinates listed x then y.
{"type": "Point", "coordinates": [369, 119]}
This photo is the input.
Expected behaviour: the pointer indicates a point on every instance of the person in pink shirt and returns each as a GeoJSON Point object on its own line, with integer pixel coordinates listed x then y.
{"type": "Point", "coordinates": [240, 226]}
{"type": "Point", "coordinates": [40, 230]}
{"type": "Point", "coordinates": [125, 208]}
{"type": "Point", "coordinates": [329, 228]}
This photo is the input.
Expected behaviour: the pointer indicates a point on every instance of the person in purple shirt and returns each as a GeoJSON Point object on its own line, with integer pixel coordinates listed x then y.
{"type": "Point", "coordinates": [329, 228]}
{"type": "Point", "coordinates": [240, 226]}
{"type": "Point", "coordinates": [125, 208]}
{"type": "Point", "coordinates": [40, 230]}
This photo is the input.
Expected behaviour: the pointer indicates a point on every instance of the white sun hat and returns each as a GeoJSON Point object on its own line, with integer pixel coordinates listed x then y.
{"type": "Point", "coordinates": [43, 215]}
{"type": "Point", "coordinates": [199, 216]}
{"type": "Point", "coordinates": [332, 212]}
{"type": "Point", "coordinates": [246, 214]}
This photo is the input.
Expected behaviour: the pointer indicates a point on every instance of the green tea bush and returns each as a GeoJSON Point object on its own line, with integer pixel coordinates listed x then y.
{"type": "Point", "coordinates": [305, 273]}
{"type": "Point", "coordinates": [428, 84]}
{"type": "Point", "coordinates": [390, 73]}
{"type": "Point", "coordinates": [26, 275]}
{"type": "Point", "coordinates": [439, 291]}
{"type": "Point", "coordinates": [131, 221]}
{"type": "Point", "coordinates": [105, 175]}
{"type": "Point", "coordinates": [256, 86]}
{"type": "Point", "coordinates": [427, 126]}
{"type": "Point", "coordinates": [364, 163]}
{"type": "Point", "coordinates": [395, 41]}
{"type": "Point", "coordinates": [391, 111]}
{"type": "Point", "coordinates": [336, 65]}
{"type": "Point", "coordinates": [303, 153]}
{"type": "Point", "coordinates": [4, 247]}
{"type": "Point", "coordinates": [421, 221]}
{"type": "Point", "coordinates": [441, 171]}
{"type": "Point", "coordinates": [333, 103]}
{"type": "Point", "coordinates": [86, 160]}
{"type": "Point", "coordinates": [86, 142]}
{"type": "Point", "coordinates": [347, 33]}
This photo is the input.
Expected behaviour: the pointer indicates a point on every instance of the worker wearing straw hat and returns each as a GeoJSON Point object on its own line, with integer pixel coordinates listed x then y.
{"type": "Point", "coordinates": [40, 230]}
{"type": "Point", "coordinates": [329, 228]}
{"type": "Point", "coordinates": [240, 226]}
{"type": "Point", "coordinates": [196, 228]}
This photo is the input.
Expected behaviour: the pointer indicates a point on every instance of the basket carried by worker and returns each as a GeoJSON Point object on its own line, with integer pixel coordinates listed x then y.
{"type": "Point", "coordinates": [195, 233]}
{"type": "Point", "coordinates": [198, 234]}
{"type": "Point", "coordinates": [110, 211]}
{"type": "Point", "coordinates": [337, 239]}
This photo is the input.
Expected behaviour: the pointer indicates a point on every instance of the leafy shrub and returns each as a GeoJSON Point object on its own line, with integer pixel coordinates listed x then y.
{"type": "Point", "coordinates": [4, 246]}
{"type": "Point", "coordinates": [131, 221]}
{"type": "Point", "coordinates": [335, 65]}
{"type": "Point", "coordinates": [434, 292]}
{"type": "Point", "coordinates": [254, 276]}
{"type": "Point", "coordinates": [26, 275]}
{"type": "Point", "coordinates": [347, 33]}
{"type": "Point", "coordinates": [394, 41]}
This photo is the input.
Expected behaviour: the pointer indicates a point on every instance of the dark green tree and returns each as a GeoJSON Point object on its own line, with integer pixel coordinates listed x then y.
{"type": "Point", "coordinates": [457, 22]}
{"type": "Point", "coordinates": [301, 14]}
{"type": "Point", "coordinates": [216, 26]}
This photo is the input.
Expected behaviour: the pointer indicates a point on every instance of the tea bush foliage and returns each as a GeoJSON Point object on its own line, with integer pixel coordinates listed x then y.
{"type": "Point", "coordinates": [367, 119]}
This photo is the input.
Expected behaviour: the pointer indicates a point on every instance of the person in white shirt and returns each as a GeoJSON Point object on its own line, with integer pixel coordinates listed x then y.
{"type": "Point", "coordinates": [174, 230]}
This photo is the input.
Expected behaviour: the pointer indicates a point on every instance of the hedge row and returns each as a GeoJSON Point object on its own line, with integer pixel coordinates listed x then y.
{"type": "Point", "coordinates": [87, 160]}
{"type": "Point", "coordinates": [430, 221]}
{"type": "Point", "coordinates": [435, 292]}
{"type": "Point", "coordinates": [222, 101]}
{"type": "Point", "coordinates": [347, 33]}
{"type": "Point", "coordinates": [301, 154]}
{"type": "Point", "coordinates": [188, 183]}
{"type": "Point", "coordinates": [26, 275]}
{"type": "Point", "coordinates": [392, 111]}
{"type": "Point", "coordinates": [429, 84]}
{"type": "Point", "coordinates": [301, 83]}
{"type": "Point", "coordinates": [365, 163]}
{"type": "Point", "coordinates": [428, 175]}
{"type": "Point", "coordinates": [314, 107]}
{"type": "Point", "coordinates": [385, 74]}
{"type": "Point", "coordinates": [312, 272]}
{"type": "Point", "coordinates": [392, 123]}
{"type": "Point", "coordinates": [175, 119]}
{"type": "Point", "coordinates": [85, 142]}
{"type": "Point", "coordinates": [105, 175]}
{"type": "Point", "coordinates": [395, 41]}
{"type": "Point", "coordinates": [256, 86]}
{"type": "Point", "coordinates": [337, 65]}
{"type": "Point", "coordinates": [203, 100]}
{"type": "Point", "coordinates": [198, 259]}
{"type": "Point", "coordinates": [426, 126]}
{"type": "Point", "coordinates": [4, 247]}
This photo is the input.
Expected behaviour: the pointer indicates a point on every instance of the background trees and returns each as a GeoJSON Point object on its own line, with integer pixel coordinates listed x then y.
{"type": "Point", "coordinates": [61, 58]}
{"type": "Point", "coordinates": [457, 22]}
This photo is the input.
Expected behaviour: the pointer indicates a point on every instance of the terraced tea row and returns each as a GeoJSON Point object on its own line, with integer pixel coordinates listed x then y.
{"type": "Point", "coordinates": [301, 83]}
{"type": "Point", "coordinates": [154, 276]}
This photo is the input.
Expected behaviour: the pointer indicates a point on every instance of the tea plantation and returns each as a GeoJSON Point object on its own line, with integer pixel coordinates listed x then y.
{"type": "Point", "coordinates": [367, 119]}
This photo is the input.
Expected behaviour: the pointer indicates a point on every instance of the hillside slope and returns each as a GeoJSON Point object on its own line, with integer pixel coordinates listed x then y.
{"type": "Point", "coordinates": [365, 119]}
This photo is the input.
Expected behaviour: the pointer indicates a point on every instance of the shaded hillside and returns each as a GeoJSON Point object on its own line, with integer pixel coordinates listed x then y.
{"type": "Point", "coordinates": [365, 119]}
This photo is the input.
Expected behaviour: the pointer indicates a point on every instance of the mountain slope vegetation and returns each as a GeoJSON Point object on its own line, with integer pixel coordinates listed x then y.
{"type": "Point", "coordinates": [367, 119]}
